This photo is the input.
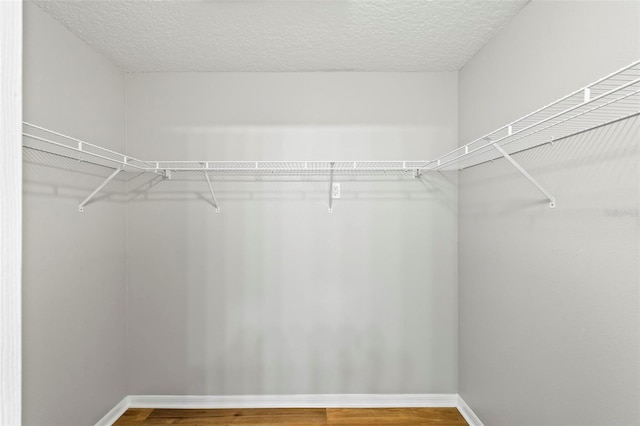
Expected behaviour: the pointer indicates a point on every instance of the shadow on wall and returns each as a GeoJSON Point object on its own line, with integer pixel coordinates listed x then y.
{"type": "Point", "coordinates": [326, 359]}
{"type": "Point", "coordinates": [578, 166]}
{"type": "Point", "coordinates": [58, 176]}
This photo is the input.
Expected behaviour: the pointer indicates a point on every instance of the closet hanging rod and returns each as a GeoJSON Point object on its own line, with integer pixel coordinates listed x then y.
{"type": "Point", "coordinates": [80, 147]}
{"type": "Point", "coordinates": [609, 100]}
{"type": "Point", "coordinates": [102, 157]}
{"type": "Point", "coordinates": [288, 166]}
{"type": "Point", "coordinates": [68, 157]}
{"type": "Point", "coordinates": [53, 132]}
{"type": "Point", "coordinates": [161, 167]}
{"type": "Point", "coordinates": [626, 117]}
{"type": "Point", "coordinates": [508, 139]}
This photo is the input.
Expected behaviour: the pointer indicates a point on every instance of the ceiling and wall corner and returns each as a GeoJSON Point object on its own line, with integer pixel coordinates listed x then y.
{"type": "Point", "coordinates": [213, 35]}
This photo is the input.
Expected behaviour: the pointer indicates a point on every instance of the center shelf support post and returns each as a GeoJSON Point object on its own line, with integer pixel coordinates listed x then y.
{"type": "Point", "coordinates": [331, 189]}
{"type": "Point", "coordinates": [98, 189]}
{"type": "Point", "coordinates": [551, 198]}
{"type": "Point", "coordinates": [213, 195]}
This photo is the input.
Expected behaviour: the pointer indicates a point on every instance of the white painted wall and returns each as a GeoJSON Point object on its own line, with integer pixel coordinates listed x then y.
{"type": "Point", "coordinates": [549, 299]}
{"type": "Point", "coordinates": [74, 264]}
{"type": "Point", "coordinates": [274, 295]}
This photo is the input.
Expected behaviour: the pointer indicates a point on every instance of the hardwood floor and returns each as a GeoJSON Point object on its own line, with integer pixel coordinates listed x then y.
{"type": "Point", "coordinates": [294, 416]}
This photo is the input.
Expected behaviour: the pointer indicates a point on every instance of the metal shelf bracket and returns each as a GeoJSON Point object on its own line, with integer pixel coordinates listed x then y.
{"type": "Point", "coordinates": [98, 189]}
{"type": "Point", "coordinates": [551, 198]}
{"type": "Point", "coordinates": [331, 189]}
{"type": "Point", "coordinates": [213, 195]}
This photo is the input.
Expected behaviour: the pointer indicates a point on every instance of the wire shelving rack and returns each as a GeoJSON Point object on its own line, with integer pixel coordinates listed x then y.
{"type": "Point", "coordinates": [610, 99]}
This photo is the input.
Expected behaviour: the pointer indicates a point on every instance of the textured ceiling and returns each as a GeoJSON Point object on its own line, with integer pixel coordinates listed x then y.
{"type": "Point", "coordinates": [276, 35]}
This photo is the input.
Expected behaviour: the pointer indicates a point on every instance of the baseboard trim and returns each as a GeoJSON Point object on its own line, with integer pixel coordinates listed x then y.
{"type": "Point", "coordinates": [468, 413]}
{"type": "Point", "coordinates": [291, 401]}
{"type": "Point", "coordinates": [115, 413]}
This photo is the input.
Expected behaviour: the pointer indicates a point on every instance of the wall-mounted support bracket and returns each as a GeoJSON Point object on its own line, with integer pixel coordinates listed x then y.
{"type": "Point", "coordinates": [331, 189]}
{"type": "Point", "coordinates": [417, 173]}
{"type": "Point", "coordinates": [213, 195]}
{"type": "Point", "coordinates": [98, 189]}
{"type": "Point", "coordinates": [551, 198]}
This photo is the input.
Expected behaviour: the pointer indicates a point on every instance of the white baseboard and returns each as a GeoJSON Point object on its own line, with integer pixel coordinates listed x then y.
{"type": "Point", "coordinates": [467, 413]}
{"type": "Point", "coordinates": [291, 401]}
{"type": "Point", "coordinates": [115, 413]}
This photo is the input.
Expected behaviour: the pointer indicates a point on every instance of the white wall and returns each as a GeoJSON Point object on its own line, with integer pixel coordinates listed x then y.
{"type": "Point", "coordinates": [74, 264]}
{"type": "Point", "coordinates": [274, 295]}
{"type": "Point", "coordinates": [549, 300]}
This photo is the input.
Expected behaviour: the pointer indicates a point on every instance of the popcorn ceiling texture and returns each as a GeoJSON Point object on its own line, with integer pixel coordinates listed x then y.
{"type": "Point", "coordinates": [205, 35]}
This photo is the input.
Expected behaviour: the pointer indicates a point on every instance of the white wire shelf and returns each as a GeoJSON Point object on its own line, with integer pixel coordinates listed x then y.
{"type": "Point", "coordinates": [46, 140]}
{"type": "Point", "coordinates": [612, 98]}
{"type": "Point", "coordinates": [289, 168]}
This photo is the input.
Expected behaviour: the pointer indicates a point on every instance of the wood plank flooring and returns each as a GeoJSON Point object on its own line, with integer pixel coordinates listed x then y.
{"type": "Point", "coordinates": [293, 416]}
